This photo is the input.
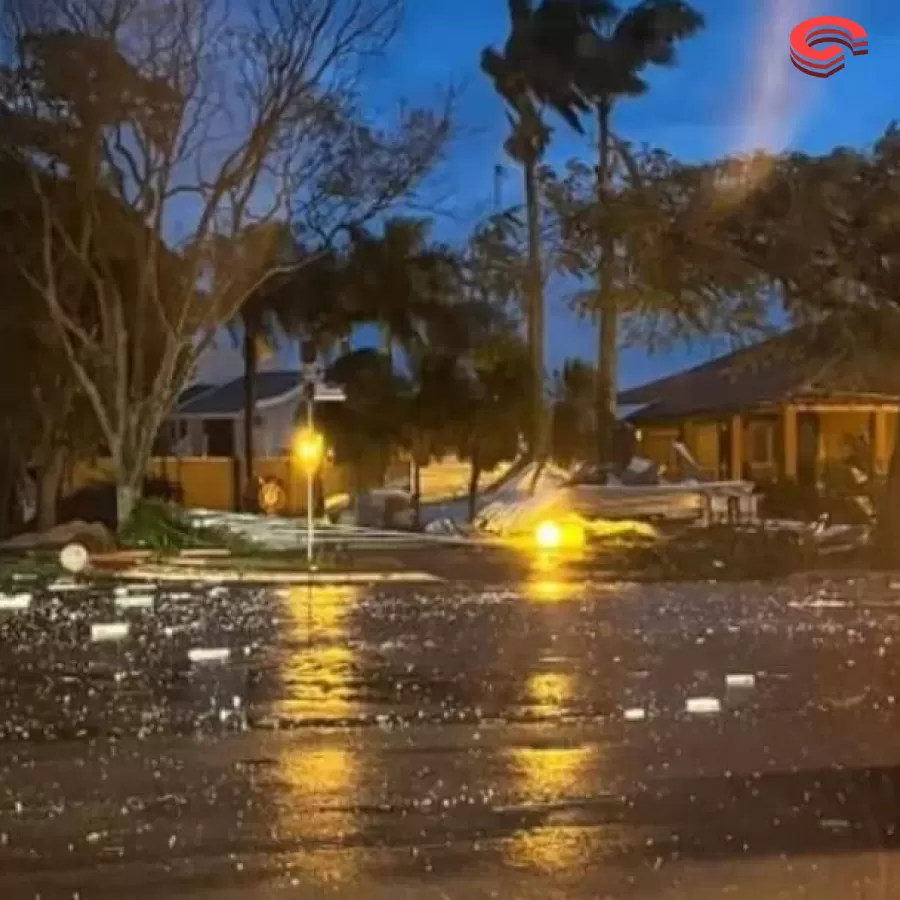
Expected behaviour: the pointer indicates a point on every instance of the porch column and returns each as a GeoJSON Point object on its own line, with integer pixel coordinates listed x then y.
{"type": "Point", "coordinates": [789, 431]}
{"type": "Point", "coordinates": [880, 454]}
{"type": "Point", "coordinates": [736, 433]}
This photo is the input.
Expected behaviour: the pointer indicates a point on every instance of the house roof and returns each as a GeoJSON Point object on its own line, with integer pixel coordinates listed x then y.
{"type": "Point", "coordinates": [192, 393]}
{"type": "Point", "coordinates": [227, 400]}
{"type": "Point", "coordinates": [812, 362]}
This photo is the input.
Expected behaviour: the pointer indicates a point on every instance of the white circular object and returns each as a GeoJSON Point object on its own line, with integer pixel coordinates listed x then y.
{"type": "Point", "coordinates": [74, 557]}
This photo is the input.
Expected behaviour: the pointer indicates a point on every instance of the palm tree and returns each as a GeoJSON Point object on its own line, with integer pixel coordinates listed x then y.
{"type": "Point", "coordinates": [399, 280]}
{"type": "Point", "coordinates": [612, 51]}
{"type": "Point", "coordinates": [290, 291]}
{"type": "Point", "coordinates": [572, 431]}
{"type": "Point", "coordinates": [244, 268]}
{"type": "Point", "coordinates": [257, 321]}
{"type": "Point", "coordinates": [526, 145]}
{"type": "Point", "coordinates": [530, 75]}
{"type": "Point", "coordinates": [580, 58]}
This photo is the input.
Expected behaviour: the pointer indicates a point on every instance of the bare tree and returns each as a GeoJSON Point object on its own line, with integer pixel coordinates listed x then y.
{"type": "Point", "coordinates": [150, 130]}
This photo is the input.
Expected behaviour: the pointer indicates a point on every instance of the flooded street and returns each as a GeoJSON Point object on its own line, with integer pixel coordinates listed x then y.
{"type": "Point", "coordinates": [530, 737]}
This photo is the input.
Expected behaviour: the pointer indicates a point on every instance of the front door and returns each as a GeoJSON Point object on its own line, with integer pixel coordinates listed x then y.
{"type": "Point", "coordinates": [808, 448]}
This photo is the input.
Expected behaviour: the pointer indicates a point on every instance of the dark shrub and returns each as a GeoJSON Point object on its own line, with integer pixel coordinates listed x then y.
{"type": "Point", "coordinates": [784, 499]}
{"type": "Point", "coordinates": [96, 502]}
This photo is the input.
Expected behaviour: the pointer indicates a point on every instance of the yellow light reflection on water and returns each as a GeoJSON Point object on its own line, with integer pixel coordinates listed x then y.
{"type": "Point", "coordinates": [545, 585]}
{"type": "Point", "coordinates": [318, 670]}
{"type": "Point", "coordinates": [550, 691]}
{"type": "Point", "coordinates": [319, 807]}
{"type": "Point", "coordinates": [561, 850]}
{"type": "Point", "coordinates": [548, 590]}
{"type": "Point", "coordinates": [552, 775]}
{"type": "Point", "coordinates": [321, 610]}
{"type": "Point", "coordinates": [319, 783]}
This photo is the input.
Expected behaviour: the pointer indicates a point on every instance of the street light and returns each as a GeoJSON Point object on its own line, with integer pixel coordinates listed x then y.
{"type": "Point", "coordinates": [308, 449]}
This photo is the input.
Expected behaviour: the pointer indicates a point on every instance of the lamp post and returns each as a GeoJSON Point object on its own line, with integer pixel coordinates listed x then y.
{"type": "Point", "coordinates": [308, 446]}
{"type": "Point", "coordinates": [308, 451]}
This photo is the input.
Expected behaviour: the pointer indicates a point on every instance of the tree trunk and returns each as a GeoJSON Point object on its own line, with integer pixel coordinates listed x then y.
{"type": "Point", "coordinates": [49, 478]}
{"type": "Point", "coordinates": [127, 496]}
{"type": "Point", "coordinates": [535, 304]}
{"type": "Point", "coordinates": [129, 466]}
{"type": "Point", "coordinates": [607, 312]}
{"type": "Point", "coordinates": [889, 508]}
{"type": "Point", "coordinates": [250, 366]}
{"type": "Point", "coordinates": [474, 476]}
{"type": "Point", "coordinates": [9, 474]}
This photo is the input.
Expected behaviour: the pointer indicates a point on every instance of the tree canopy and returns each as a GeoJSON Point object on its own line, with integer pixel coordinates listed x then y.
{"type": "Point", "coordinates": [152, 133]}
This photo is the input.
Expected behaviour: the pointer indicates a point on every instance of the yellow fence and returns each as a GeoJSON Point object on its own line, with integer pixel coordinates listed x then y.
{"type": "Point", "coordinates": [211, 482]}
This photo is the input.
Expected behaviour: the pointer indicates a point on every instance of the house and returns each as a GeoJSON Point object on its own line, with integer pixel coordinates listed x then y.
{"type": "Point", "coordinates": [785, 408]}
{"type": "Point", "coordinates": [208, 420]}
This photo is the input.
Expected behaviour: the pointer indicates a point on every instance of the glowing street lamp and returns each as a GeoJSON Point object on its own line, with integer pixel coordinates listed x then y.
{"type": "Point", "coordinates": [308, 449]}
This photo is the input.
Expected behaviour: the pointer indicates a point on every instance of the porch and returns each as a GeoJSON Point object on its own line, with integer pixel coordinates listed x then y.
{"type": "Point", "coordinates": [797, 441]}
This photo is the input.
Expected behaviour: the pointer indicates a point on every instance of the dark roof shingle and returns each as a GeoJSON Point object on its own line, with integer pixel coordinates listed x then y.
{"type": "Point", "coordinates": [228, 399]}
{"type": "Point", "coordinates": [192, 393]}
{"type": "Point", "coordinates": [804, 362]}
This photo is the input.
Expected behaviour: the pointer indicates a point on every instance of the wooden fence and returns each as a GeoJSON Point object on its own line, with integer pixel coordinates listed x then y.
{"type": "Point", "coordinates": [212, 482]}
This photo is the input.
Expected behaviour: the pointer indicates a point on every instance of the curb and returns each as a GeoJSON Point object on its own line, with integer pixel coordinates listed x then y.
{"type": "Point", "coordinates": [226, 576]}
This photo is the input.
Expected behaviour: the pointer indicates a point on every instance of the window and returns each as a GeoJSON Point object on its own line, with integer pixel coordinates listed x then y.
{"type": "Point", "coordinates": [219, 437]}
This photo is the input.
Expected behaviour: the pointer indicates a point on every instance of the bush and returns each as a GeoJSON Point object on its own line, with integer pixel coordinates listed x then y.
{"type": "Point", "coordinates": [785, 499]}
{"type": "Point", "coordinates": [842, 501]}
{"type": "Point", "coordinates": [96, 502]}
{"type": "Point", "coordinates": [726, 553]}
{"type": "Point", "coordinates": [159, 525]}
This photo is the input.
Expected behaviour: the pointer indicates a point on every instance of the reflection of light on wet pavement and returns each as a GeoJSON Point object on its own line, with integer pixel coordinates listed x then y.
{"type": "Point", "coordinates": [551, 692]}
{"type": "Point", "coordinates": [561, 850]}
{"type": "Point", "coordinates": [548, 774]}
{"type": "Point", "coordinates": [551, 776]}
{"type": "Point", "coordinates": [317, 669]}
{"type": "Point", "coordinates": [319, 787]}
{"type": "Point", "coordinates": [548, 590]}
{"type": "Point", "coordinates": [317, 804]}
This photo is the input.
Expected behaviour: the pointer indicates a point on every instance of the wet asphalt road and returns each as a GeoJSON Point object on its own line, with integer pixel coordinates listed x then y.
{"type": "Point", "coordinates": [527, 738]}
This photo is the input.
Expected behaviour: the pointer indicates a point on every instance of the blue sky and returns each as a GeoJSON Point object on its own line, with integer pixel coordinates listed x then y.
{"type": "Point", "coordinates": [735, 89]}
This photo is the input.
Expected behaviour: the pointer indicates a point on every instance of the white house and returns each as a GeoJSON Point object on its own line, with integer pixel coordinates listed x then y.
{"type": "Point", "coordinates": [208, 421]}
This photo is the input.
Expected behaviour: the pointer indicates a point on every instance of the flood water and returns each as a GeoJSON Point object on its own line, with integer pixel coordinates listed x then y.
{"type": "Point", "coordinates": [538, 736]}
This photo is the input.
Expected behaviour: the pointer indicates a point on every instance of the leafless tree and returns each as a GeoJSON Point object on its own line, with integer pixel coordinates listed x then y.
{"type": "Point", "coordinates": [148, 131]}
